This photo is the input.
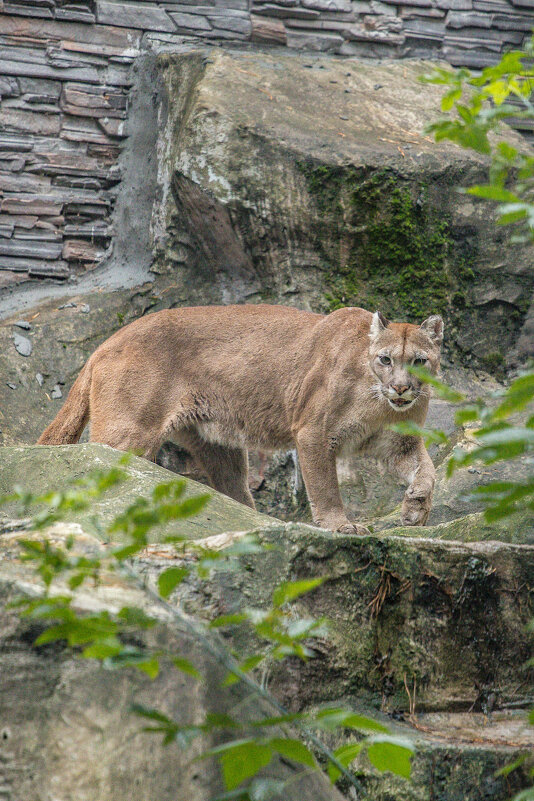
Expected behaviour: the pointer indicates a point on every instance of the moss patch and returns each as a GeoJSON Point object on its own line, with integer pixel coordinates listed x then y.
{"type": "Point", "coordinates": [386, 244]}
{"type": "Point", "coordinates": [495, 363]}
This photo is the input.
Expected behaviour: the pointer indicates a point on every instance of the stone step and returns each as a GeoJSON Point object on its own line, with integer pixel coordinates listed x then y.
{"type": "Point", "coordinates": [457, 756]}
{"type": "Point", "coordinates": [445, 619]}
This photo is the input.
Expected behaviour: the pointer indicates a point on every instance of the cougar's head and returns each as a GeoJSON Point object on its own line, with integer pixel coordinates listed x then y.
{"type": "Point", "coordinates": [396, 346]}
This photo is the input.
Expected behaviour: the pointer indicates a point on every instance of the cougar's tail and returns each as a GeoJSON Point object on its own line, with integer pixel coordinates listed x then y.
{"type": "Point", "coordinates": [72, 418]}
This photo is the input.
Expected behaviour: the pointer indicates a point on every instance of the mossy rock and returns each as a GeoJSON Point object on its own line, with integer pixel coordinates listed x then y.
{"type": "Point", "coordinates": [401, 609]}
{"type": "Point", "coordinates": [518, 528]}
{"type": "Point", "coordinates": [41, 468]}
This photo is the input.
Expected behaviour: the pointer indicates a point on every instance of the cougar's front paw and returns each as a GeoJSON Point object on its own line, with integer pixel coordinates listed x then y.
{"type": "Point", "coordinates": [416, 508]}
{"type": "Point", "coordinates": [353, 528]}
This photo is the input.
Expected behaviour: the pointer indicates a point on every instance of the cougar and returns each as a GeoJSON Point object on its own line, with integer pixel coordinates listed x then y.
{"type": "Point", "coordinates": [218, 380]}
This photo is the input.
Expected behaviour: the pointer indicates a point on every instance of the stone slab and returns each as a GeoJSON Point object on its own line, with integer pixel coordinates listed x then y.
{"type": "Point", "coordinates": [134, 15]}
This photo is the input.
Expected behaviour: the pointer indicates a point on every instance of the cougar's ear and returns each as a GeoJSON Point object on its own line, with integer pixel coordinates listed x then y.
{"type": "Point", "coordinates": [433, 328]}
{"type": "Point", "coordinates": [378, 324]}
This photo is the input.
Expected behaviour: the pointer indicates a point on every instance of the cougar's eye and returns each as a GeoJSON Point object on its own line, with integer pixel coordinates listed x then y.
{"type": "Point", "coordinates": [385, 359]}
{"type": "Point", "coordinates": [419, 361]}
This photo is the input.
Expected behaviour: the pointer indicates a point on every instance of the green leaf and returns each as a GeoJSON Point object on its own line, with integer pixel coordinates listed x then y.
{"type": "Point", "coordinates": [170, 578]}
{"type": "Point", "coordinates": [518, 395]}
{"type": "Point", "coordinates": [53, 634]}
{"type": "Point", "coordinates": [192, 506]}
{"type": "Point", "coordinates": [227, 620]}
{"type": "Point", "coordinates": [450, 97]}
{"type": "Point", "coordinates": [430, 436]}
{"type": "Point", "coordinates": [76, 580]}
{"type": "Point", "coordinates": [507, 436]}
{"type": "Point", "coordinates": [240, 760]}
{"type": "Point", "coordinates": [511, 766]}
{"type": "Point", "coordinates": [133, 616]}
{"type": "Point", "coordinates": [512, 213]}
{"type": "Point", "coordinates": [151, 714]}
{"type": "Point", "coordinates": [293, 749]}
{"type": "Point", "coordinates": [442, 390]}
{"type": "Point", "coordinates": [230, 679]}
{"type": "Point", "coordinates": [345, 754]}
{"type": "Point", "coordinates": [218, 720]}
{"type": "Point", "coordinates": [391, 754]}
{"type": "Point", "coordinates": [290, 590]}
{"type": "Point", "coordinates": [333, 718]}
{"type": "Point", "coordinates": [185, 666]}
{"type": "Point", "coordinates": [102, 649]}
{"type": "Point", "coordinates": [492, 192]}
{"type": "Point", "coordinates": [507, 151]}
{"type": "Point", "coordinates": [174, 489]}
{"type": "Point", "coordinates": [468, 414]}
{"type": "Point", "coordinates": [251, 662]}
{"type": "Point", "coordinates": [167, 727]}
{"type": "Point", "coordinates": [150, 667]}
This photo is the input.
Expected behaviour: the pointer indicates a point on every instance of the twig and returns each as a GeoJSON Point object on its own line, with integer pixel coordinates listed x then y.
{"type": "Point", "coordinates": [411, 698]}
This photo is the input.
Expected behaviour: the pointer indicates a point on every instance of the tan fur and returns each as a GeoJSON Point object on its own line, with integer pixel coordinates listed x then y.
{"type": "Point", "coordinates": [218, 380]}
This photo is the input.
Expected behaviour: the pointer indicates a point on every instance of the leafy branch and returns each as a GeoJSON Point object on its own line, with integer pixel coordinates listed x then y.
{"type": "Point", "coordinates": [476, 104]}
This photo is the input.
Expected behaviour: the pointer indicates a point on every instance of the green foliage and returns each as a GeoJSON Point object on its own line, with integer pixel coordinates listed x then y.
{"type": "Point", "coordinates": [108, 636]}
{"type": "Point", "coordinates": [500, 438]}
{"type": "Point", "coordinates": [389, 754]}
{"type": "Point", "coordinates": [169, 580]}
{"type": "Point", "coordinates": [431, 436]}
{"type": "Point", "coordinates": [290, 590]}
{"type": "Point", "coordinates": [476, 104]}
{"type": "Point", "coordinates": [440, 389]}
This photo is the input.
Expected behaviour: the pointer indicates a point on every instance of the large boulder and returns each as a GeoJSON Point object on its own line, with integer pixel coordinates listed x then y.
{"type": "Point", "coordinates": [401, 610]}
{"type": "Point", "coordinates": [309, 180]}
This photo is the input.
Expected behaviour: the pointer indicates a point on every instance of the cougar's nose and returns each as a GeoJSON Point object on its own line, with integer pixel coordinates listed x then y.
{"type": "Point", "coordinates": [400, 389]}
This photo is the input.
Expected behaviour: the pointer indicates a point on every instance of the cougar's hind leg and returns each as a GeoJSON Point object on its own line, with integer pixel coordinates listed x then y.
{"type": "Point", "coordinates": [228, 468]}
{"type": "Point", "coordinates": [225, 466]}
{"type": "Point", "coordinates": [122, 416]}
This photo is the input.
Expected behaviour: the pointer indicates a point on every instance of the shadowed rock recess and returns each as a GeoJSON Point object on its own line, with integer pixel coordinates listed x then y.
{"type": "Point", "coordinates": [427, 635]}
{"type": "Point", "coordinates": [303, 180]}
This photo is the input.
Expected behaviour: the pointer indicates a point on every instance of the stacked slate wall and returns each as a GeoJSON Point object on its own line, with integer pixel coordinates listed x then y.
{"type": "Point", "coordinates": [66, 75]}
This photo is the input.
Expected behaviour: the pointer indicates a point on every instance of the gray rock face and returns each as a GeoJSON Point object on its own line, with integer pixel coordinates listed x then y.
{"type": "Point", "coordinates": [42, 468]}
{"type": "Point", "coordinates": [309, 181]}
